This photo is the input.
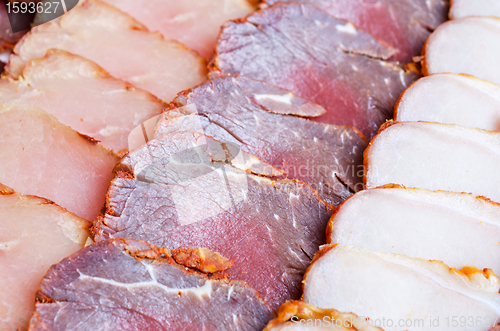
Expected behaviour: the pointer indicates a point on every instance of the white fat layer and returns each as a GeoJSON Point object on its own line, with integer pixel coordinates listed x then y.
{"type": "Point", "coordinates": [348, 28]}
{"type": "Point", "coordinates": [285, 98]}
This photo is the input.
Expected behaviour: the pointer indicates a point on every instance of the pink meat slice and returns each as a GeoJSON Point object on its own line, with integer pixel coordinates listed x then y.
{"type": "Point", "coordinates": [195, 23]}
{"type": "Point", "coordinates": [40, 156]}
{"type": "Point", "coordinates": [130, 285]}
{"type": "Point", "coordinates": [318, 57]}
{"type": "Point", "coordinates": [34, 234]}
{"type": "Point", "coordinates": [267, 122]}
{"type": "Point", "coordinates": [64, 85]}
{"type": "Point", "coordinates": [119, 44]}
{"type": "Point", "coordinates": [177, 192]}
{"type": "Point", "coordinates": [405, 24]}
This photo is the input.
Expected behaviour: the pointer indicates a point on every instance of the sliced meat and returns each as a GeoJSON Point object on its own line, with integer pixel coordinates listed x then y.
{"type": "Point", "coordinates": [301, 316]}
{"type": "Point", "coordinates": [456, 228]}
{"type": "Point", "coordinates": [34, 234]}
{"type": "Point", "coordinates": [465, 46]}
{"type": "Point", "coordinates": [40, 156]}
{"type": "Point", "coordinates": [195, 23]}
{"type": "Point", "coordinates": [397, 292]}
{"type": "Point", "coordinates": [185, 190]}
{"type": "Point", "coordinates": [130, 285]}
{"type": "Point", "coordinates": [464, 8]}
{"type": "Point", "coordinates": [451, 99]}
{"type": "Point", "coordinates": [83, 96]}
{"type": "Point", "coordinates": [117, 43]}
{"type": "Point", "coordinates": [405, 24]}
{"type": "Point", "coordinates": [265, 121]}
{"type": "Point", "coordinates": [436, 157]}
{"type": "Point", "coordinates": [329, 61]}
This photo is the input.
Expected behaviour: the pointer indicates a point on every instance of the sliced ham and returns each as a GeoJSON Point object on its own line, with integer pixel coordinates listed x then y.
{"type": "Point", "coordinates": [195, 23]}
{"type": "Point", "coordinates": [465, 46]}
{"type": "Point", "coordinates": [464, 8]}
{"type": "Point", "coordinates": [397, 292]}
{"type": "Point", "coordinates": [40, 156]}
{"type": "Point", "coordinates": [451, 99]}
{"type": "Point", "coordinates": [34, 234]}
{"type": "Point", "coordinates": [117, 43]}
{"type": "Point", "coordinates": [405, 24]}
{"type": "Point", "coordinates": [301, 316]}
{"type": "Point", "coordinates": [187, 190]}
{"type": "Point", "coordinates": [83, 96]}
{"type": "Point", "coordinates": [327, 60]}
{"type": "Point", "coordinates": [456, 228]}
{"type": "Point", "coordinates": [436, 157]}
{"type": "Point", "coordinates": [130, 285]}
{"type": "Point", "coordinates": [266, 122]}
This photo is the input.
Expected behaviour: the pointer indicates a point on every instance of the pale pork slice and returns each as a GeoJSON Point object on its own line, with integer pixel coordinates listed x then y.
{"type": "Point", "coordinates": [195, 23]}
{"type": "Point", "coordinates": [83, 96]}
{"type": "Point", "coordinates": [456, 228]}
{"type": "Point", "coordinates": [397, 292]}
{"type": "Point", "coordinates": [34, 234]}
{"type": "Point", "coordinates": [451, 99]}
{"type": "Point", "coordinates": [131, 285]}
{"type": "Point", "coordinates": [464, 8]}
{"type": "Point", "coordinates": [40, 156]}
{"type": "Point", "coordinates": [117, 43]}
{"type": "Point", "coordinates": [405, 24]}
{"type": "Point", "coordinates": [326, 60]}
{"type": "Point", "coordinates": [186, 189]}
{"type": "Point", "coordinates": [266, 121]}
{"type": "Point", "coordinates": [436, 157]}
{"type": "Point", "coordinates": [301, 316]}
{"type": "Point", "coordinates": [465, 46]}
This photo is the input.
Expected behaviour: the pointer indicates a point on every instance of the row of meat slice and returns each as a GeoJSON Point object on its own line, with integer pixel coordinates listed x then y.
{"type": "Point", "coordinates": [34, 234]}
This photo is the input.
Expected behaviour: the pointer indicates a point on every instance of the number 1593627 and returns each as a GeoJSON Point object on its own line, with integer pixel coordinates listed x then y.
{"type": "Point", "coordinates": [32, 7]}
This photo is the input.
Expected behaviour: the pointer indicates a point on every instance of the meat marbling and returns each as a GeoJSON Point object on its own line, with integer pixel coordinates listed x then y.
{"type": "Point", "coordinates": [405, 24]}
{"type": "Point", "coordinates": [327, 60]}
{"type": "Point", "coordinates": [398, 292]}
{"type": "Point", "coordinates": [456, 228]}
{"type": "Point", "coordinates": [436, 157]}
{"type": "Point", "coordinates": [117, 43]}
{"type": "Point", "coordinates": [130, 285]}
{"type": "Point", "coordinates": [195, 23]}
{"type": "Point", "coordinates": [265, 121]}
{"type": "Point", "coordinates": [451, 99]}
{"type": "Point", "coordinates": [40, 156]}
{"type": "Point", "coordinates": [34, 234]}
{"type": "Point", "coordinates": [83, 96]}
{"type": "Point", "coordinates": [183, 189]}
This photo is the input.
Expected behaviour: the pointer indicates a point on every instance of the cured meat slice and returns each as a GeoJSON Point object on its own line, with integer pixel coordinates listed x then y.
{"type": "Point", "coordinates": [329, 61]}
{"type": "Point", "coordinates": [195, 23]}
{"type": "Point", "coordinates": [117, 43]}
{"type": "Point", "coordinates": [34, 234]}
{"type": "Point", "coordinates": [397, 292]}
{"type": "Point", "coordinates": [451, 99]}
{"type": "Point", "coordinates": [465, 46]}
{"type": "Point", "coordinates": [130, 285]}
{"type": "Point", "coordinates": [299, 315]}
{"type": "Point", "coordinates": [456, 228]}
{"type": "Point", "coordinates": [265, 121]}
{"type": "Point", "coordinates": [464, 8]}
{"type": "Point", "coordinates": [40, 156]}
{"type": "Point", "coordinates": [185, 190]}
{"type": "Point", "coordinates": [83, 96]}
{"type": "Point", "coordinates": [404, 24]}
{"type": "Point", "coordinates": [436, 157]}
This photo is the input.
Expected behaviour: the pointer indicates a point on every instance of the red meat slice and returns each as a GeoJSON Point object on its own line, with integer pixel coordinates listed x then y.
{"type": "Point", "coordinates": [130, 285]}
{"type": "Point", "coordinates": [182, 190]}
{"type": "Point", "coordinates": [266, 122]}
{"type": "Point", "coordinates": [327, 60]}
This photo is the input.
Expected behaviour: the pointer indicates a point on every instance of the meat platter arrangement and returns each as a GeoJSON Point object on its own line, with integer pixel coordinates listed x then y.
{"type": "Point", "coordinates": [243, 165]}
